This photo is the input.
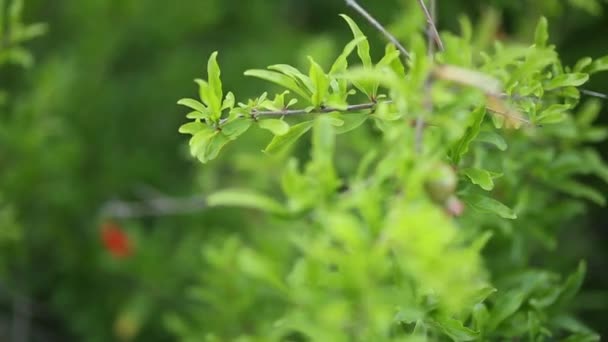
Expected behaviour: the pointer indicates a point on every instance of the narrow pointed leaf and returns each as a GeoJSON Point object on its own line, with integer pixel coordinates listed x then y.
{"type": "Point", "coordinates": [489, 205]}
{"type": "Point", "coordinates": [215, 83]}
{"type": "Point", "coordinates": [279, 79]}
{"type": "Point", "coordinates": [362, 45]}
{"type": "Point", "coordinates": [295, 74]}
{"type": "Point", "coordinates": [245, 199]}
{"type": "Point", "coordinates": [320, 83]}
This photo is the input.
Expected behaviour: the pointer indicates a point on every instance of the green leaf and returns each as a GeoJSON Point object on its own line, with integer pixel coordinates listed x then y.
{"type": "Point", "coordinates": [571, 324]}
{"type": "Point", "coordinates": [505, 306]}
{"type": "Point", "coordinates": [480, 316]}
{"type": "Point", "coordinates": [303, 81]}
{"type": "Point", "coordinates": [369, 88]}
{"type": "Point", "coordinates": [199, 141]}
{"type": "Point", "coordinates": [259, 266]}
{"type": "Point", "coordinates": [455, 329]}
{"type": "Point", "coordinates": [481, 241]}
{"type": "Point", "coordinates": [391, 58]}
{"type": "Point", "coordinates": [546, 299]}
{"type": "Point", "coordinates": [489, 205]}
{"type": "Point", "coordinates": [351, 122]}
{"type": "Point", "coordinates": [362, 44]}
{"type": "Point", "coordinates": [323, 145]}
{"type": "Point", "coordinates": [193, 104]}
{"type": "Point", "coordinates": [533, 326]}
{"type": "Point", "coordinates": [573, 284]}
{"type": "Point", "coordinates": [198, 115]}
{"type": "Point", "coordinates": [554, 114]}
{"type": "Point", "coordinates": [192, 127]}
{"type": "Point", "coordinates": [228, 101]}
{"type": "Point", "coordinates": [577, 189]}
{"type": "Point", "coordinates": [567, 80]}
{"type": "Point", "coordinates": [480, 177]}
{"type": "Point", "coordinates": [341, 63]}
{"type": "Point", "coordinates": [390, 55]}
{"type": "Point", "coordinates": [492, 138]}
{"type": "Point", "coordinates": [588, 113]}
{"type": "Point", "coordinates": [320, 83]}
{"type": "Point", "coordinates": [204, 91]}
{"type": "Point", "coordinates": [582, 64]}
{"type": "Point", "coordinates": [282, 141]}
{"type": "Point", "coordinates": [483, 293]}
{"type": "Point", "coordinates": [582, 337]}
{"type": "Point", "coordinates": [216, 143]}
{"type": "Point", "coordinates": [462, 146]}
{"type": "Point", "coordinates": [276, 126]}
{"type": "Point", "coordinates": [236, 127]}
{"type": "Point", "coordinates": [541, 34]}
{"type": "Point", "coordinates": [598, 65]}
{"type": "Point", "coordinates": [215, 84]}
{"type": "Point", "coordinates": [323, 139]}
{"type": "Point", "coordinates": [245, 199]}
{"type": "Point", "coordinates": [280, 79]}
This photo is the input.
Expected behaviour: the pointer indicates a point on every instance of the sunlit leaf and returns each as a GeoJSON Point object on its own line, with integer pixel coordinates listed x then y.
{"type": "Point", "coordinates": [279, 79]}
{"type": "Point", "coordinates": [276, 126]}
{"type": "Point", "coordinates": [320, 83]}
{"type": "Point", "coordinates": [541, 35]}
{"type": "Point", "coordinates": [193, 104]}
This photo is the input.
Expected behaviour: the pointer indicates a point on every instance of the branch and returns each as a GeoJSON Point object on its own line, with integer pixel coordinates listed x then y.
{"type": "Point", "coordinates": [431, 23]}
{"type": "Point", "coordinates": [378, 26]}
{"type": "Point", "coordinates": [594, 94]}
{"type": "Point", "coordinates": [428, 101]}
{"type": "Point", "coordinates": [286, 112]}
{"type": "Point", "coordinates": [157, 206]}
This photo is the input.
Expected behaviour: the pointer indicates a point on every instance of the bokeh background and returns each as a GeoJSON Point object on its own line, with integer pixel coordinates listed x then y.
{"type": "Point", "coordinates": [93, 123]}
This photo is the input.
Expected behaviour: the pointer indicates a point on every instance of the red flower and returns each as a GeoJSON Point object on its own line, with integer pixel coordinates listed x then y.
{"type": "Point", "coordinates": [115, 240]}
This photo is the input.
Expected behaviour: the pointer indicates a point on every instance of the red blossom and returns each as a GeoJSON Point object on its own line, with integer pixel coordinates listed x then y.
{"type": "Point", "coordinates": [115, 240]}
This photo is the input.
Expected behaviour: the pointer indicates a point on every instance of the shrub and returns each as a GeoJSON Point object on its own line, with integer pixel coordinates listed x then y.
{"type": "Point", "coordinates": [422, 194]}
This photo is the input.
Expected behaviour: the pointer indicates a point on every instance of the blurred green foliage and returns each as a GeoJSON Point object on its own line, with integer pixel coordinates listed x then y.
{"type": "Point", "coordinates": [93, 119]}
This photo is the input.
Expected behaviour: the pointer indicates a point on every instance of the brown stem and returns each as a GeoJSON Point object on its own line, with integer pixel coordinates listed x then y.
{"type": "Point", "coordinates": [378, 26]}
{"type": "Point", "coordinates": [430, 19]}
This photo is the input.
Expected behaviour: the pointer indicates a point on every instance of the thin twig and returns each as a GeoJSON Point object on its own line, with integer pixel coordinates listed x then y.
{"type": "Point", "coordinates": [157, 206]}
{"type": "Point", "coordinates": [432, 29]}
{"type": "Point", "coordinates": [428, 101]}
{"type": "Point", "coordinates": [594, 94]}
{"type": "Point", "coordinates": [379, 27]}
{"type": "Point", "coordinates": [431, 24]}
{"type": "Point", "coordinates": [287, 112]}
